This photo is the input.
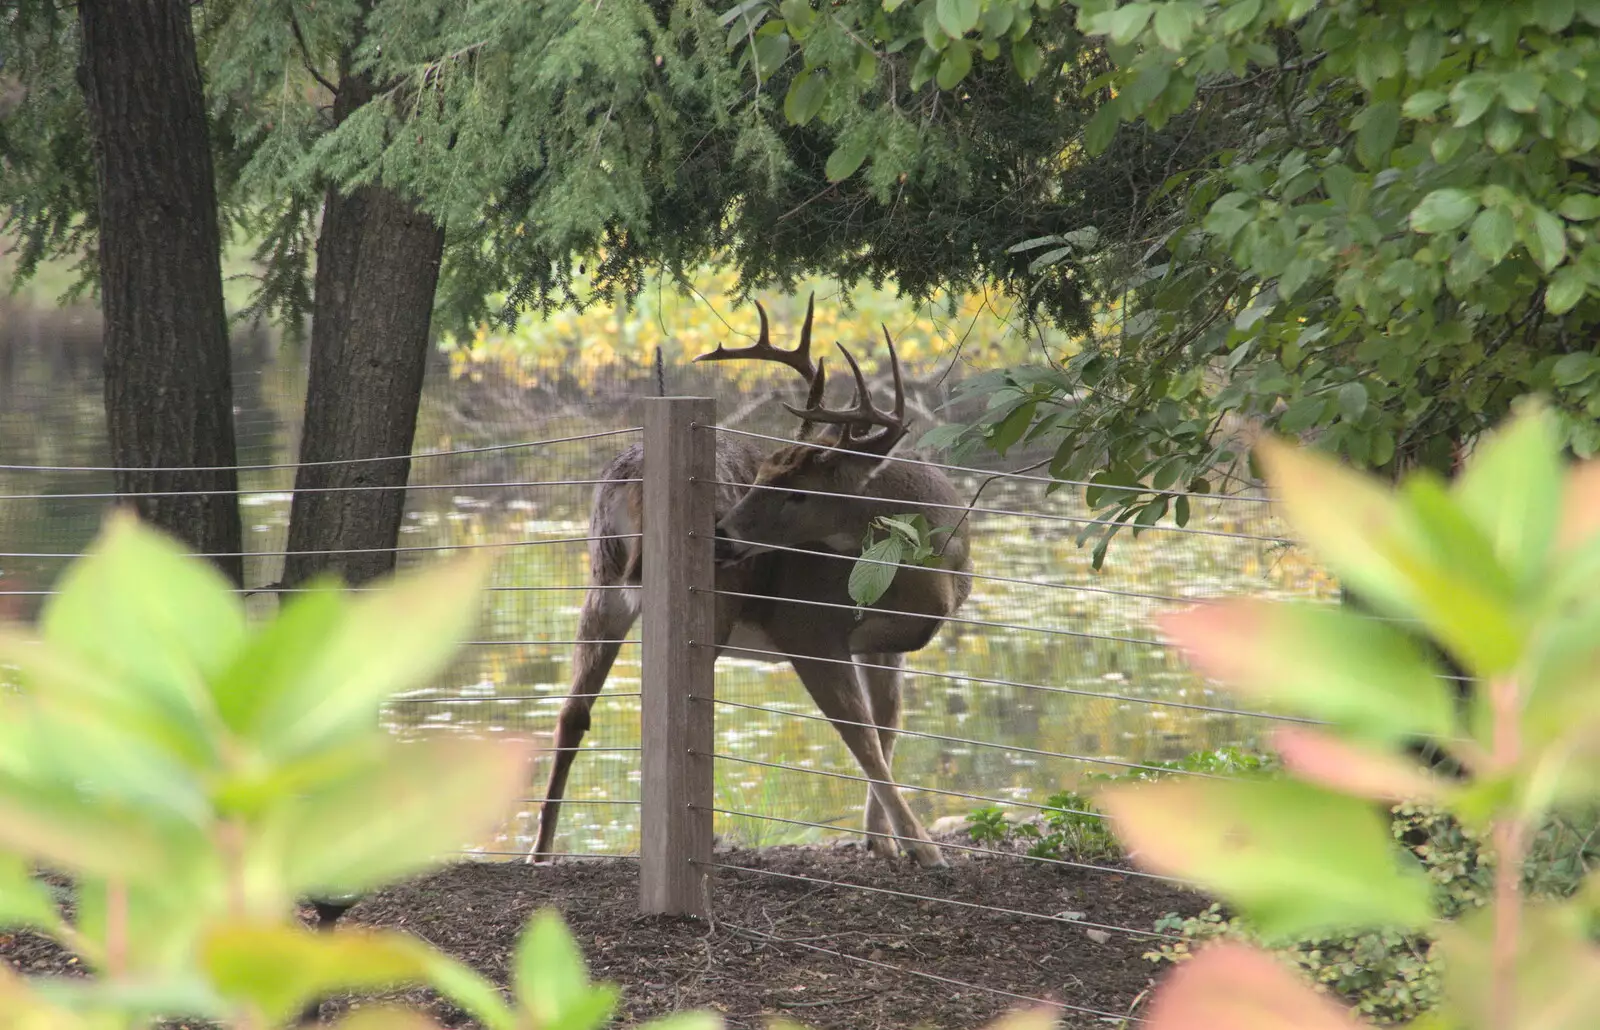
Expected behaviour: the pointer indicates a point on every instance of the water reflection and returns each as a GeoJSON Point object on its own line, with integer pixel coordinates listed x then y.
{"type": "Point", "coordinates": [967, 687]}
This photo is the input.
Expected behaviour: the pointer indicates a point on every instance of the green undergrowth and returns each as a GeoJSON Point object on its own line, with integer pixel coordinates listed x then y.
{"type": "Point", "coordinates": [1387, 975]}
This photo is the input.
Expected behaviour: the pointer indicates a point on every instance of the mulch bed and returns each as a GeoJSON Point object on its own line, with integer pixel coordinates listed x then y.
{"type": "Point", "coordinates": [773, 946]}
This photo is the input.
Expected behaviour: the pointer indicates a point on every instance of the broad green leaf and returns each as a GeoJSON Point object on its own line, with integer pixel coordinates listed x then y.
{"type": "Point", "coordinates": [1295, 858]}
{"type": "Point", "coordinates": [1511, 488]}
{"type": "Point", "coordinates": [1580, 207]}
{"type": "Point", "coordinates": [1545, 237]}
{"type": "Point", "coordinates": [24, 900]}
{"type": "Point", "coordinates": [1521, 89]}
{"type": "Point", "coordinates": [1239, 15]}
{"type": "Point", "coordinates": [848, 156]}
{"type": "Point", "coordinates": [387, 641]}
{"type": "Point", "coordinates": [61, 830]}
{"type": "Point", "coordinates": [1239, 987]}
{"type": "Point", "coordinates": [1419, 559]}
{"type": "Point", "coordinates": [1123, 24]}
{"type": "Point", "coordinates": [1358, 673]}
{"type": "Point", "coordinates": [958, 17]}
{"type": "Point", "coordinates": [152, 619]}
{"type": "Point", "coordinates": [65, 680]}
{"type": "Point", "coordinates": [1503, 132]}
{"type": "Point", "coordinates": [277, 969]}
{"type": "Point", "coordinates": [1027, 58]}
{"type": "Point", "coordinates": [1493, 234]}
{"type": "Point", "coordinates": [1571, 369]}
{"type": "Point", "coordinates": [1175, 23]}
{"type": "Point", "coordinates": [414, 804]}
{"type": "Point", "coordinates": [1553, 15]}
{"type": "Point", "coordinates": [1565, 289]}
{"type": "Point", "coordinates": [552, 983]}
{"type": "Point", "coordinates": [805, 96]}
{"type": "Point", "coordinates": [869, 581]}
{"type": "Point", "coordinates": [1424, 103]}
{"type": "Point", "coordinates": [1352, 401]}
{"type": "Point", "coordinates": [1471, 97]}
{"type": "Point", "coordinates": [955, 64]}
{"type": "Point", "coordinates": [1375, 135]}
{"type": "Point", "coordinates": [1102, 128]}
{"type": "Point", "coordinates": [1443, 210]}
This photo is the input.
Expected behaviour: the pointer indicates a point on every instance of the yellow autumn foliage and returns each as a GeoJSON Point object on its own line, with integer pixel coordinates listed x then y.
{"type": "Point", "coordinates": [980, 331]}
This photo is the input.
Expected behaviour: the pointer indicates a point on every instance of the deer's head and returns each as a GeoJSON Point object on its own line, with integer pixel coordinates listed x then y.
{"type": "Point", "coordinates": [788, 503]}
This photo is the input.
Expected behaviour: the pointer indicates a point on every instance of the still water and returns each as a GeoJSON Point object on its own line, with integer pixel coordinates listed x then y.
{"type": "Point", "coordinates": [1078, 672]}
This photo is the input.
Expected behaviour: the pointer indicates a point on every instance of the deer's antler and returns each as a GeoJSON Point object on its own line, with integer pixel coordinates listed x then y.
{"type": "Point", "coordinates": [864, 415]}
{"type": "Point", "coordinates": [798, 359]}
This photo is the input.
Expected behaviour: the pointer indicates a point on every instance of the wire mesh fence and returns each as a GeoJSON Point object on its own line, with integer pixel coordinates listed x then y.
{"type": "Point", "coordinates": [1051, 671]}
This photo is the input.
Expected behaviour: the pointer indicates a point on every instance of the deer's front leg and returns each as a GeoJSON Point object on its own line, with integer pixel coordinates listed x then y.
{"type": "Point", "coordinates": [838, 694]}
{"type": "Point", "coordinates": [880, 676]}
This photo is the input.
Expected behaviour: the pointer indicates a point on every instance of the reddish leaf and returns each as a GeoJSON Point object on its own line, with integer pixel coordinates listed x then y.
{"type": "Point", "coordinates": [1580, 507]}
{"type": "Point", "coordinates": [1328, 761]}
{"type": "Point", "coordinates": [1322, 662]}
{"type": "Point", "coordinates": [1235, 987]}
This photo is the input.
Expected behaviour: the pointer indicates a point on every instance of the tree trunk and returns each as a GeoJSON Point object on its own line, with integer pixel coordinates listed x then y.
{"type": "Point", "coordinates": [377, 270]}
{"type": "Point", "coordinates": [168, 382]}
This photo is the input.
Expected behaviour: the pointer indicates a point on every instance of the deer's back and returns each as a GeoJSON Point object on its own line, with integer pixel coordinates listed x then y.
{"type": "Point", "coordinates": [618, 508]}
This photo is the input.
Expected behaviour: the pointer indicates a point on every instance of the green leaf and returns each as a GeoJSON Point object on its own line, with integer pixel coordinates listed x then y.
{"type": "Point", "coordinates": [1472, 96]}
{"type": "Point", "coordinates": [1362, 675]}
{"type": "Point", "coordinates": [1493, 233]}
{"type": "Point", "coordinates": [1545, 237]}
{"type": "Point", "coordinates": [148, 617]}
{"type": "Point", "coordinates": [1027, 58]}
{"type": "Point", "coordinates": [771, 51]}
{"type": "Point", "coordinates": [1504, 131]}
{"type": "Point", "coordinates": [1521, 89]}
{"type": "Point", "coordinates": [24, 900]}
{"type": "Point", "coordinates": [1511, 488]}
{"type": "Point", "coordinates": [1294, 858]}
{"type": "Point", "coordinates": [869, 580]}
{"type": "Point", "coordinates": [1175, 24]}
{"type": "Point", "coordinates": [1240, 15]}
{"type": "Point", "coordinates": [1566, 288]}
{"type": "Point", "coordinates": [1422, 104]}
{"type": "Point", "coordinates": [848, 156]}
{"type": "Point", "coordinates": [955, 64]}
{"type": "Point", "coordinates": [1580, 207]}
{"type": "Point", "coordinates": [1375, 136]}
{"type": "Point", "coordinates": [1102, 128]}
{"type": "Point", "coordinates": [276, 969]}
{"type": "Point", "coordinates": [552, 983]}
{"type": "Point", "coordinates": [1123, 24]}
{"type": "Point", "coordinates": [1572, 369]}
{"type": "Point", "coordinates": [1443, 210]}
{"type": "Point", "coordinates": [805, 97]}
{"type": "Point", "coordinates": [1352, 401]}
{"type": "Point", "coordinates": [958, 17]}
{"type": "Point", "coordinates": [1552, 15]}
{"type": "Point", "coordinates": [330, 688]}
{"type": "Point", "coordinates": [405, 808]}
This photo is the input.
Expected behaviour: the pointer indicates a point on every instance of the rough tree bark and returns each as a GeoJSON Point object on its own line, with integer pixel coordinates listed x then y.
{"type": "Point", "coordinates": [168, 381]}
{"type": "Point", "coordinates": [377, 269]}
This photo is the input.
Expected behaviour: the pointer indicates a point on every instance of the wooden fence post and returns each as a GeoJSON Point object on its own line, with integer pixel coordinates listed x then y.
{"type": "Point", "coordinates": [679, 612]}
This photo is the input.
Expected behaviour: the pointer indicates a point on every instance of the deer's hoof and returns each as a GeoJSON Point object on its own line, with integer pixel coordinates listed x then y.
{"type": "Point", "coordinates": [927, 855]}
{"type": "Point", "coordinates": [882, 847]}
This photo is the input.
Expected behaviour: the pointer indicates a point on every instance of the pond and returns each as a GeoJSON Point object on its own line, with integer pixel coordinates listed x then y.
{"type": "Point", "coordinates": [1074, 671]}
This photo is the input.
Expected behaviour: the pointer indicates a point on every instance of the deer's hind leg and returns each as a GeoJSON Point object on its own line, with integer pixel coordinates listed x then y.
{"type": "Point", "coordinates": [880, 676]}
{"type": "Point", "coordinates": [607, 615]}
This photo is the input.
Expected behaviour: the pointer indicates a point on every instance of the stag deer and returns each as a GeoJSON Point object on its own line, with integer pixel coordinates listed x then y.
{"type": "Point", "coordinates": [770, 506]}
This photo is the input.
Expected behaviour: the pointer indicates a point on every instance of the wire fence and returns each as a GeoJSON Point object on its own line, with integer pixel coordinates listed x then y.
{"type": "Point", "coordinates": [1049, 673]}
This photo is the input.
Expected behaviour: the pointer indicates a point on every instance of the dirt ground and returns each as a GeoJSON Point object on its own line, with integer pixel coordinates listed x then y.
{"type": "Point", "coordinates": [775, 945]}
